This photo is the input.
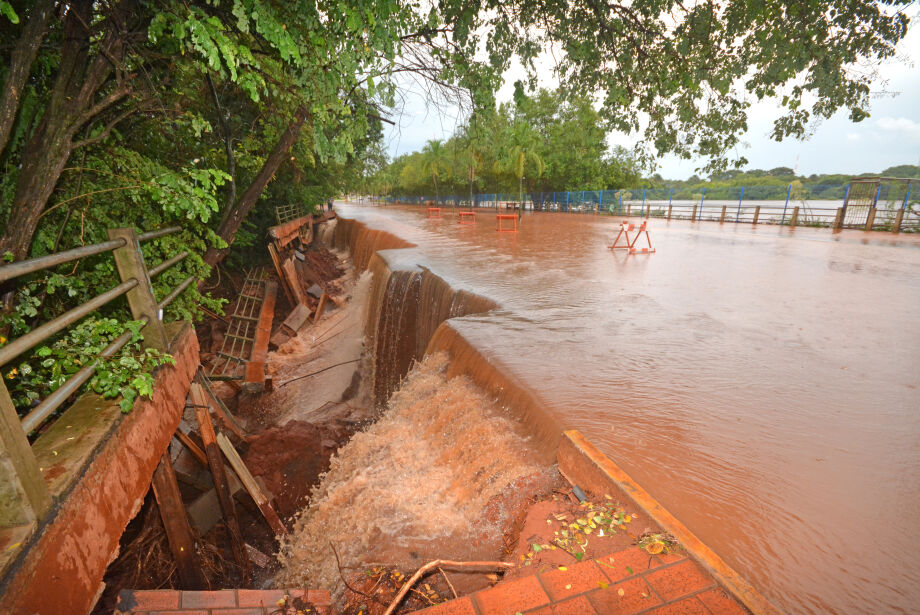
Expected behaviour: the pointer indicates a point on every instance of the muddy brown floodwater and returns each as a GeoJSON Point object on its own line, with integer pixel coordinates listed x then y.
{"type": "Point", "coordinates": [762, 383]}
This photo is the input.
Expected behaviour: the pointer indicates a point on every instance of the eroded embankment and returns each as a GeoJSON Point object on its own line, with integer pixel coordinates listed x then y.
{"type": "Point", "coordinates": [439, 475]}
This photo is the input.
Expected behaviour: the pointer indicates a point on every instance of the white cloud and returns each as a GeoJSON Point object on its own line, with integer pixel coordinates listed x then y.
{"type": "Point", "coordinates": [853, 136]}
{"type": "Point", "coordinates": [906, 127]}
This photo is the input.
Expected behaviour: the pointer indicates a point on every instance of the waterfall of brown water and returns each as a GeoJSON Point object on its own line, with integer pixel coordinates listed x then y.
{"type": "Point", "coordinates": [364, 242]}
{"type": "Point", "coordinates": [437, 476]}
{"type": "Point", "coordinates": [407, 305]}
{"type": "Point", "coordinates": [406, 319]}
{"type": "Point", "coordinates": [490, 375]}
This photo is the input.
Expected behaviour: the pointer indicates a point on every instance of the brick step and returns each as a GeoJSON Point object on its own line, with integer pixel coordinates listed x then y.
{"type": "Point", "coordinates": [624, 583]}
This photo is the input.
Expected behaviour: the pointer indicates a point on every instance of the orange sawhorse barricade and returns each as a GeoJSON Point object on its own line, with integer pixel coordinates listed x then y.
{"type": "Point", "coordinates": [625, 227]}
{"type": "Point", "coordinates": [466, 217]}
{"type": "Point", "coordinates": [501, 228]}
{"type": "Point", "coordinates": [434, 212]}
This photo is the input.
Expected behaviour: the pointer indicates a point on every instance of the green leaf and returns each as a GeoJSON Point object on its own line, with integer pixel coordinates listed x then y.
{"type": "Point", "coordinates": [7, 10]}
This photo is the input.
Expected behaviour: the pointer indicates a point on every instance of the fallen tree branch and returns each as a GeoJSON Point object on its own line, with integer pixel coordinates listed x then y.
{"type": "Point", "coordinates": [449, 584]}
{"type": "Point", "coordinates": [439, 563]}
{"type": "Point", "coordinates": [338, 563]}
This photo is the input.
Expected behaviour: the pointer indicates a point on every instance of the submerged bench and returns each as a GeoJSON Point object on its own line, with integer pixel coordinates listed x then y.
{"type": "Point", "coordinates": [501, 228]}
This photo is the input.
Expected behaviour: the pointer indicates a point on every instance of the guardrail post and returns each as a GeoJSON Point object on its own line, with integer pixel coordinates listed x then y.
{"type": "Point", "coordinates": [756, 214]}
{"type": "Point", "coordinates": [722, 217]}
{"type": "Point", "coordinates": [838, 220]}
{"type": "Point", "coordinates": [642, 211]}
{"type": "Point", "coordinates": [693, 213]}
{"type": "Point", "coordinates": [788, 192]}
{"type": "Point", "coordinates": [130, 263]}
{"type": "Point", "coordinates": [898, 219]}
{"type": "Point", "coordinates": [795, 217]}
{"type": "Point", "coordinates": [24, 495]}
{"type": "Point", "coordinates": [870, 218]}
{"type": "Point", "coordinates": [740, 198]}
{"type": "Point", "coordinates": [669, 211]}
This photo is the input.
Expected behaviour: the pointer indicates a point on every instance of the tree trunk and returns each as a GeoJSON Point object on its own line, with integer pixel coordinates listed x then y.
{"type": "Point", "coordinates": [72, 104]}
{"type": "Point", "coordinates": [21, 59]}
{"type": "Point", "coordinates": [234, 218]}
{"type": "Point", "coordinates": [228, 148]}
{"type": "Point", "coordinates": [471, 187]}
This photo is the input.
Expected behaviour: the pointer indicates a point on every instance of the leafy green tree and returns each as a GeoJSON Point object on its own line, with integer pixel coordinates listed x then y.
{"type": "Point", "coordinates": [436, 163]}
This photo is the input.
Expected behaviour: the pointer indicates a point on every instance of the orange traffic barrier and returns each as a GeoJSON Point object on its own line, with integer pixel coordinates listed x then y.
{"type": "Point", "coordinates": [434, 212]}
{"type": "Point", "coordinates": [466, 217]}
{"type": "Point", "coordinates": [501, 228]}
{"type": "Point", "coordinates": [630, 245]}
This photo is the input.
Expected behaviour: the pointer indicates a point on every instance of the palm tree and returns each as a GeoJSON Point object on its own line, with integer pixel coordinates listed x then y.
{"type": "Point", "coordinates": [521, 156]}
{"type": "Point", "coordinates": [436, 163]}
{"type": "Point", "coordinates": [472, 153]}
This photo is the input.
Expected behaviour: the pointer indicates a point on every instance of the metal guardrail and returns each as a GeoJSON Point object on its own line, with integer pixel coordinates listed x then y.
{"type": "Point", "coordinates": [760, 204]}
{"type": "Point", "coordinates": [135, 276]}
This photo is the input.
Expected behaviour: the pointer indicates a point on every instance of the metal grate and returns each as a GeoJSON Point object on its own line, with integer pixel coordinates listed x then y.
{"type": "Point", "coordinates": [286, 213]}
{"type": "Point", "coordinates": [244, 319]}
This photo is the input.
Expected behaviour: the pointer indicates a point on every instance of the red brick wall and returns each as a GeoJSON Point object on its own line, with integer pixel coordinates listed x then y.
{"type": "Point", "coordinates": [61, 571]}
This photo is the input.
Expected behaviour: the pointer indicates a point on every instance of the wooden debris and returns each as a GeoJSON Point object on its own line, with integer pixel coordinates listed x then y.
{"type": "Point", "coordinates": [216, 463]}
{"type": "Point", "coordinates": [193, 448]}
{"type": "Point", "coordinates": [249, 482]}
{"type": "Point", "coordinates": [223, 414]}
{"type": "Point", "coordinates": [320, 308]}
{"type": "Point", "coordinates": [257, 557]}
{"type": "Point", "coordinates": [296, 319]}
{"type": "Point", "coordinates": [175, 520]}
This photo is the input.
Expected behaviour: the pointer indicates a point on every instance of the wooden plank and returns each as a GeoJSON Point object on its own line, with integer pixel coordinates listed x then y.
{"type": "Point", "coordinates": [293, 281]}
{"type": "Point", "coordinates": [196, 452]}
{"type": "Point", "coordinates": [249, 482]}
{"type": "Point", "coordinates": [216, 462]}
{"type": "Point", "coordinates": [19, 470]}
{"type": "Point", "coordinates": [220, 409]}
{"type": "Point", "coordinates": [296, 319]}
{"type": "Point", "coordinates": [320, 308]}
{"type": "Point", "coordinates": [175, 520]}
{"type": "Point", "coordinates": [285, 233]}
{"type": "Point", "coordinates": [255, 367]}
{"type": "Point", "coordinates": [276, 259]}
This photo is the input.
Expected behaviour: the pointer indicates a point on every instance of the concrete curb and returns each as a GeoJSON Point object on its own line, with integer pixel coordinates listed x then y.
{"type": "Point", "coordinates": [583, 464]}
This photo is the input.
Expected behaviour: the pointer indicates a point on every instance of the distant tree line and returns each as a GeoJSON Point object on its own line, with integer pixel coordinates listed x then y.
{"type": "Point", "coordinates": [534, 144]}
{"type": "Point", "coordinates": [771, 184]}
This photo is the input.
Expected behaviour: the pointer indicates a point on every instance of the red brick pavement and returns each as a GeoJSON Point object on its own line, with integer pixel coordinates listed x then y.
{"type": "Point", "coordinates": [625, 583]}
{"type": "Point", "coordinates": [222, 602]}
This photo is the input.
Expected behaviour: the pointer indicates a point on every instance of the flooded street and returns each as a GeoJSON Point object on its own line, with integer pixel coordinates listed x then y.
{"type": "Point", "coordinates": [762, 383]}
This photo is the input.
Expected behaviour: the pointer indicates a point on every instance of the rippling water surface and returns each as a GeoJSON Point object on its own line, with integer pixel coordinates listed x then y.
{"type": "Point", "coordinates": [762, 383]}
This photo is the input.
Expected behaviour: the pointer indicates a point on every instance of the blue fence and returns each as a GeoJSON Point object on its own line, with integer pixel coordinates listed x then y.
{"type": "Point", "coordinates": [790, 204]}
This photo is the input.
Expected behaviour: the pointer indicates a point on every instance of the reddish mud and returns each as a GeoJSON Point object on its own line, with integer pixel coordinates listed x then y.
{"type": "Point", "coordinates": [290, 459]}
{"type": "Point", "coordinates": [761, 383]}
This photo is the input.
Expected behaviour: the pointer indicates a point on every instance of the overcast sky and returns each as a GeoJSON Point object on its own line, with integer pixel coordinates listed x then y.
{"type": "Point", "coordinates": [890, 136]}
